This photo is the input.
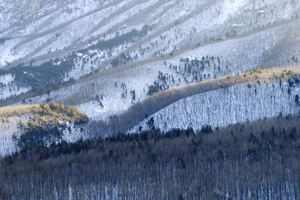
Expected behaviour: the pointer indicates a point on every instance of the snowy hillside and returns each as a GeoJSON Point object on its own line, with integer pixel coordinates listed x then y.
{"type": "Point", "coordinates": [149, 99]}
{"type": "Point", "coordinates": [9, 127]}
{"type": "Point", "coordinates": [218, 108]}
{"type": "Point", "coordinates": [105, 56]}
{"type": "Point", "coordinates": [66, 40]}
{"type": "Point", "coordinates": [59, 26]}
{"type": "Point", "coordinates": [119, 88]}
{"type": "Point", "coordinates": [222, 107]}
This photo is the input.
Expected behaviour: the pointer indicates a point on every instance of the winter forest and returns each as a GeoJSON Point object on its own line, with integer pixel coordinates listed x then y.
{"type": "Point", "coordinates": [149, 99]}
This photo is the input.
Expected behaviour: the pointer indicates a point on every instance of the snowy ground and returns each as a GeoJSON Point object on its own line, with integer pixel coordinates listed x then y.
{"type": "Point", "coordinates": [217, 108]}
{"type": "Point", "coordinates": [228, 36]}
{"type": "Point", "coordinates": [222, 107]}
{"type": "Point", "coordinates": [235, 56]}
{"type": "Point", "coordinates": [8, 145]}
{"type": "Point", "coordinates": [55, 30]}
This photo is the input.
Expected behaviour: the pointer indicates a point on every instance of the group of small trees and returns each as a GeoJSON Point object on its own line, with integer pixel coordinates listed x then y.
{"type": "Point", "coordinates": [47, 123]}
{"type": "Point", "coordinates": [190, 72]}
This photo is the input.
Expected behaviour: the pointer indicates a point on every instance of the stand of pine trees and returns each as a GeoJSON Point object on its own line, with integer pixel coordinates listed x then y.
{"type": "Point", "coordinates": [47, 123]}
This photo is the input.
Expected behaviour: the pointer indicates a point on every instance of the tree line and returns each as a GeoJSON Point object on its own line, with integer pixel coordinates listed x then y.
{"type": "Point", "coordinates": [258, 160]}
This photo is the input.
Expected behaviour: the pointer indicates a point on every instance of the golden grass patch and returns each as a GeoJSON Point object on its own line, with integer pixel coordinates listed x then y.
{"type": "Point", "coordinates": [17, 110]}
{"type": "Point", "coordinates": [256, 76]}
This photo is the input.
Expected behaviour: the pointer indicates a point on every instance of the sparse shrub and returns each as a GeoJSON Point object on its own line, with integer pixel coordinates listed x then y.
{"type": "Point", "coordinates": [291, 73]}
{"type": "Point", "coordinates": [256, 70]}
{"type": "Point", "coordinates": [97, 98]}
{"type": "Point", "coordinates": [132, 92]}
{"type": "Point", "coordinates": [297, 98]}
{"type": "Point", "coordinates": [258, 81]}
{"type": "Point", "coordinates": [290, 82]}
{"type": "Point", "coordinates": [124, 95]}
{"type": "Point", "coordinates": [289, 91]}
{"type": "Point", "coordinates": [150, 124]}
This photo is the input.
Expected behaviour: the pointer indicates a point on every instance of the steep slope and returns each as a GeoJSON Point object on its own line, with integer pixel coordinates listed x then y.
{"type": "Point", "coordinates": [105, 56]}
{"type": "Point", "coordinates": [218, 103]}
{"type": "Point", "coordinates": [226, 106]}
{"type": "Point", "coordinates": [75, 38]}
{"type": "Point", "coordinates": [207, 62]}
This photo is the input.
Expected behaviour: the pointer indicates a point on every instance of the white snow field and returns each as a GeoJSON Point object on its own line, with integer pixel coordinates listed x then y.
{"type": "Point", "coordinates": [33, 32]}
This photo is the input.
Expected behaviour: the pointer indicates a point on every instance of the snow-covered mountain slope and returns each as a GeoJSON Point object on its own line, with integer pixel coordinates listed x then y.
{"type": "Point", "coordinates": [74, 38]}
{"type": "Point", "coordinates": [53, 26]}
{"type": "Point", "coordinates": [222, 107]}
{"type": "Point", "coordinates": [120, 87]}
{"type": "Point", "coordinates": [266, 96]}
{"type": "Point", "coordinates": [119, 52]}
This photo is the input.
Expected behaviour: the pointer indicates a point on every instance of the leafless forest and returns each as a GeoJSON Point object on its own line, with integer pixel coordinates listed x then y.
{"type": "Point", "coordinates": [258, 160]}
{"type": "Point", "coordinates": [143, 109]}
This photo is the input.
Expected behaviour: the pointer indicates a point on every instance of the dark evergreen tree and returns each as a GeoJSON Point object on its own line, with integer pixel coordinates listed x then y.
{"type": "Point", "coordinates": [150, 124]}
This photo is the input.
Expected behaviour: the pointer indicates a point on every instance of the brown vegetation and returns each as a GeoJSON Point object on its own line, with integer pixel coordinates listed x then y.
{"type": "Point", "coordinates": [17, 110]}
{"type": "Point", "coordinates": [47, 124]}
